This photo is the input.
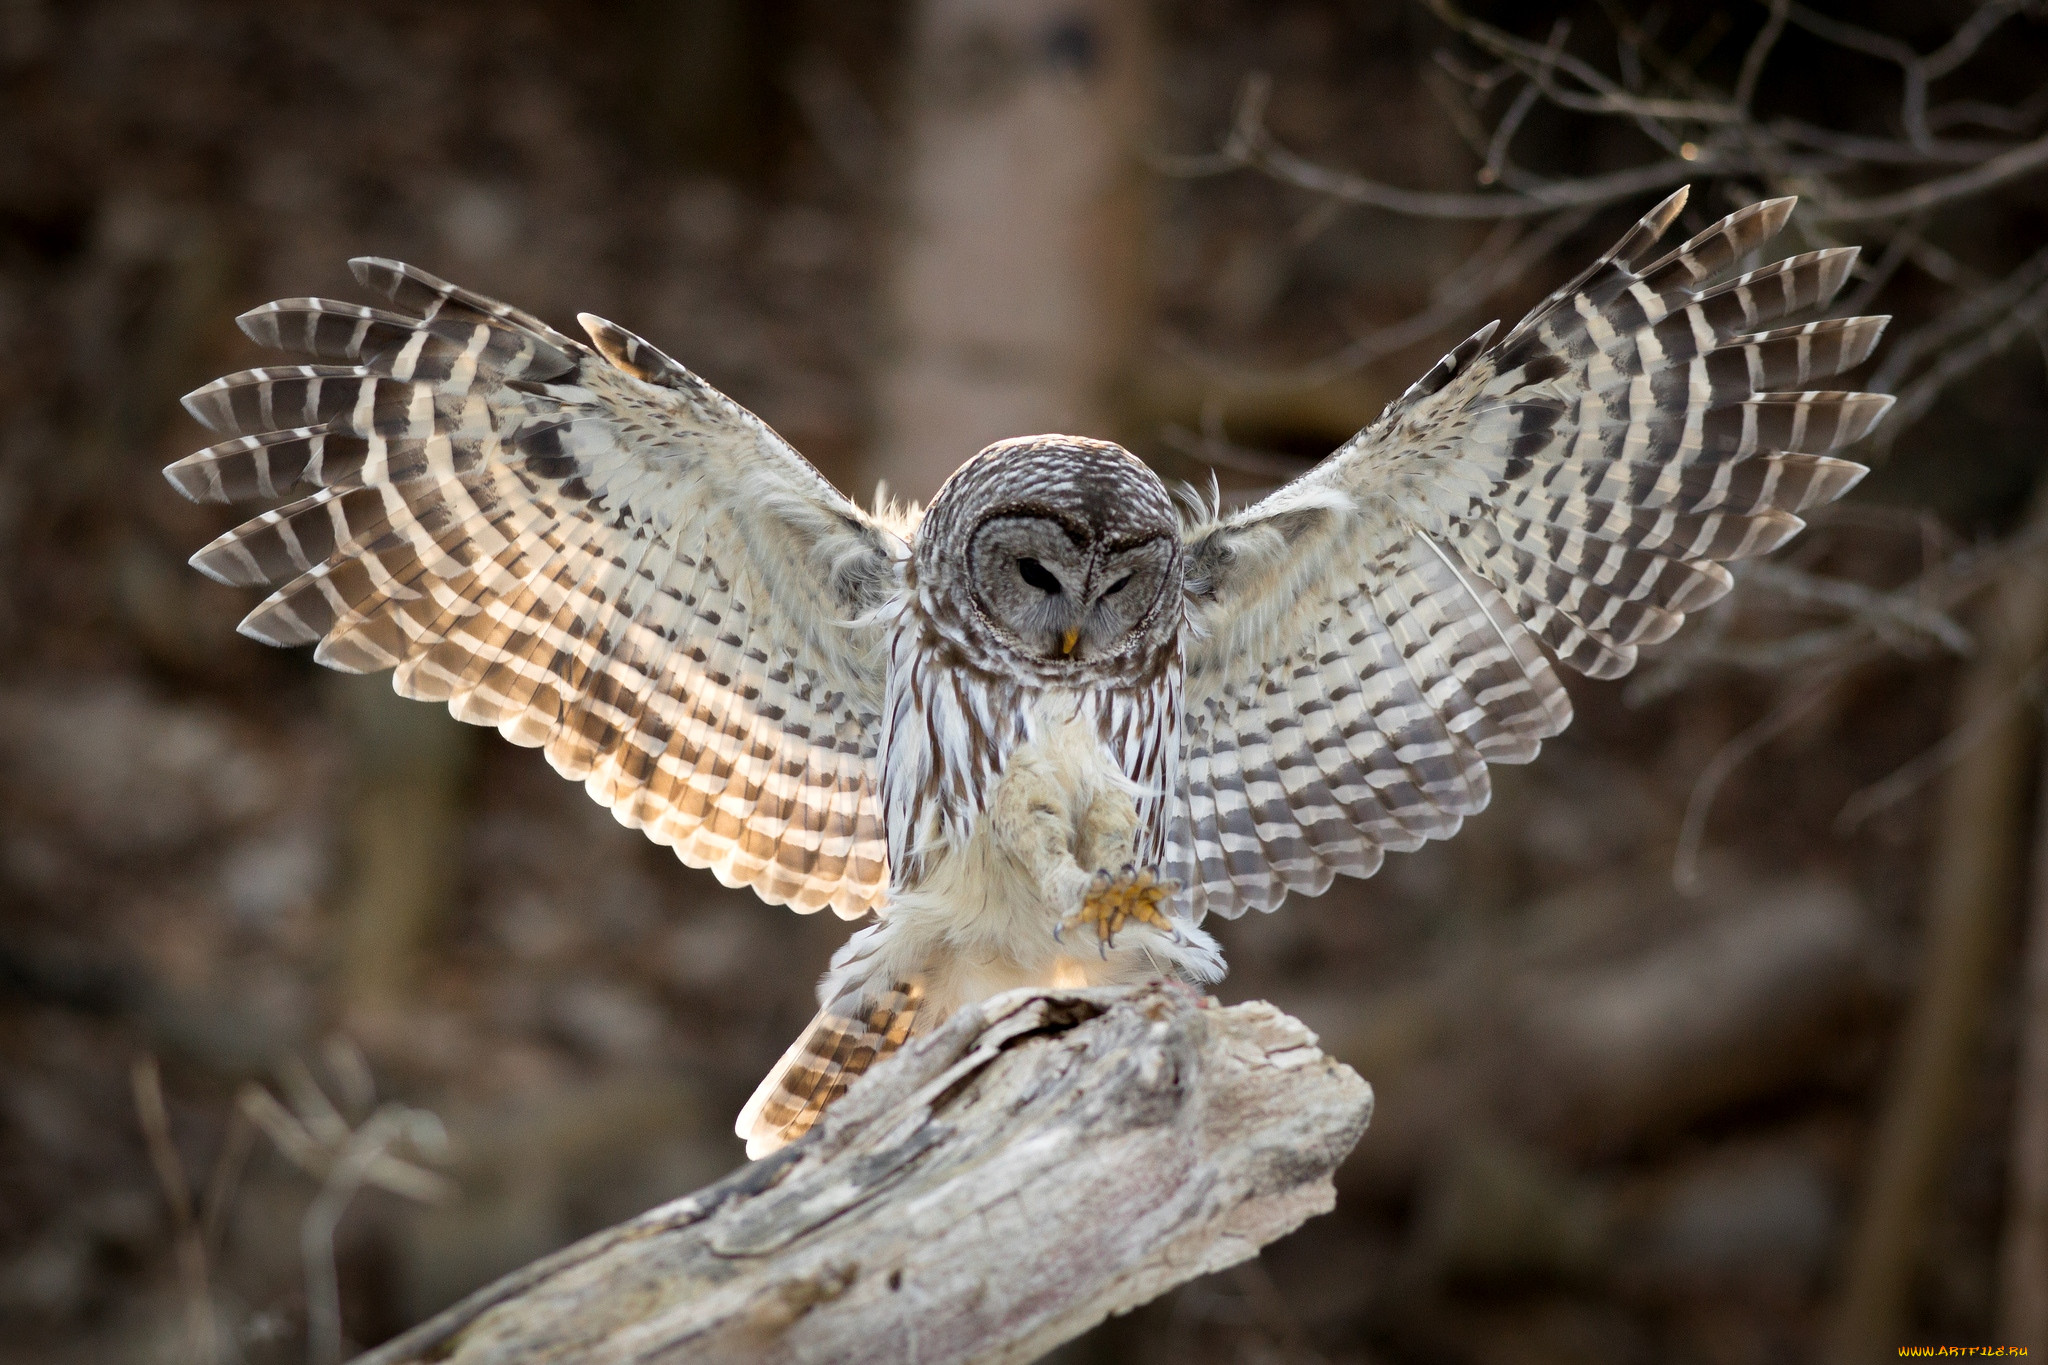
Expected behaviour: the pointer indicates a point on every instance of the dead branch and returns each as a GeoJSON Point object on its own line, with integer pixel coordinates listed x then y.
{"type": "Point", "coordinates": [1903, 620]}
{"type": "Point", "coordinates": [1989, 174]}
{"type": "Point", "coordinates": [1695, 130]}
{"type": "Point", "coordinates": [1041, 1161]}
{"type": "Point", "coordinates": [318, 1137]}
{"type": "Point", "coordinates": [202, 1327]}
{"type": "Point", "coordinates": [1878, 624]}
{"type": "Point", "coordinates": [1701, 130]}
{"type": "Point", "coordinates": [1494, 268]}
{"type": "Point", "coordinates": [1692, 830]}
{"type": "Point", "coordinates": [1975, 310]}
{"type": "Point", "coordinates": [1490, 80]}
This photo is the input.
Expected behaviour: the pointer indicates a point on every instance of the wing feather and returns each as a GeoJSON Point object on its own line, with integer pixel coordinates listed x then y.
{"type": "Point", "coordinates": [1371, 636]}
{"type": "Point", "coordinates": [585, 546]}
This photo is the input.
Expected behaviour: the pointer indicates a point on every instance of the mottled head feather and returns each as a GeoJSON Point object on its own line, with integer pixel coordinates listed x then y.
{"type": "Point", "coordinates": [1098, 484]}
{"type": "Point", "coordinates": [1103, 498]}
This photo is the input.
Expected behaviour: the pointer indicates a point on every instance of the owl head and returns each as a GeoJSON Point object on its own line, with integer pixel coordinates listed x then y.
{"type": "Point", "coordinates": [1054, 556]}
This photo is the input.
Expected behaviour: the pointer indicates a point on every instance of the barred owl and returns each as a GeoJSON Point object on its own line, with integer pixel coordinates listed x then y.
{"type": "Point", "coordinates": [1041, 731]}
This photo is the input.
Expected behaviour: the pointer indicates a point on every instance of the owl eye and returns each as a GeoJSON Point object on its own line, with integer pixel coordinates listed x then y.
{"type": "Point", "coordinates": [1117, 587]}
{"type": "Point", "coordinates": [1039, 577]}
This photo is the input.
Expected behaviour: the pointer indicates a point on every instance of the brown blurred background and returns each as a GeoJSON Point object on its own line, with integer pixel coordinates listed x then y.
{"type": "Point", "coordinates": [1712, 1040]}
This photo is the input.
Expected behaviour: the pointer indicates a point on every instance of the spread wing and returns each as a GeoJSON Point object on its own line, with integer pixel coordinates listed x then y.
{"type": "Point", "coordinates": [590, 549]}
{"type": "Point", "coordinates": [1365, 640]}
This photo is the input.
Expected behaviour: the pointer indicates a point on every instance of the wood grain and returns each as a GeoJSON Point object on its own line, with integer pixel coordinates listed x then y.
{"type": "Point", "coordinates": [1041, 1161]}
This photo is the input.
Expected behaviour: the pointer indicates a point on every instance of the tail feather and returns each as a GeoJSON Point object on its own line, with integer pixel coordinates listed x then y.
{"type": "Point", "coordinates": [849, 1035]}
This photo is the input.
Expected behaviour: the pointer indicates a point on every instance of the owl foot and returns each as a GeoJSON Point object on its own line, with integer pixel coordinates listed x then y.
{"type": "Point", "coordinates": [1114, 901]}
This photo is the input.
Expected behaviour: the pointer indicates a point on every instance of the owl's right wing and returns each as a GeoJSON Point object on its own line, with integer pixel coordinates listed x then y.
{"type": "Point", "coordinates": [590, 549]}
{"type": "Point", "coordinates": [1365, 641]}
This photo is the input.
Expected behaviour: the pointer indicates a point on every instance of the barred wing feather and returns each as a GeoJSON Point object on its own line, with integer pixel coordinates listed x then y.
{"type": "Point", "coordinates": [1366, 639]}
{"type": "Point", "coordinates": [589, 548]}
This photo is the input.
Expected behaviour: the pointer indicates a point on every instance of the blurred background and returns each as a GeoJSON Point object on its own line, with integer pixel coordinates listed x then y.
{"type": "Point", "coordinates": [1721, 1037]}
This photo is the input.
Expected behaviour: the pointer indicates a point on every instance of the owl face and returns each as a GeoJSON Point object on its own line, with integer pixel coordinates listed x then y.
{"type": "Point", "coordinates": [1061, 591]}
{"type": "Point", "coordinates": [1055, 556]}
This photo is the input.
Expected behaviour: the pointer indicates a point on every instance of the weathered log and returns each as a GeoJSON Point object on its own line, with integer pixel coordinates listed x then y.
{"type": "Point", "coordinates": [1041, 1161]}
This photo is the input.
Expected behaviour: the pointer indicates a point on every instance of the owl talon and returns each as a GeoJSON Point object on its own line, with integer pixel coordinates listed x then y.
{"type": "Point", "coordinates": [1112, 902]}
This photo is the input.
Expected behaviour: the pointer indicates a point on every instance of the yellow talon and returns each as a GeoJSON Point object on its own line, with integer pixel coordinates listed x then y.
{"type": "Point", "coordinates": [1115, 901]}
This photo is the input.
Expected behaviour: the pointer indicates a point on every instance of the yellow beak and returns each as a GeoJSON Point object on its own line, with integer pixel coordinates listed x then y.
{"type": "Point", "coordinates": [1067, 641]}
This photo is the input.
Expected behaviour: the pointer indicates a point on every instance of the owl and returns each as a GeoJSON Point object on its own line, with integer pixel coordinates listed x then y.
{"type": "Point", "coordinates": [1039, 731]}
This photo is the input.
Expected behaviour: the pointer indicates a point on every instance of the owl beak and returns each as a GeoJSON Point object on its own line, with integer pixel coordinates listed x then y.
{"type": "Point", "coordinates": [1067, 639]}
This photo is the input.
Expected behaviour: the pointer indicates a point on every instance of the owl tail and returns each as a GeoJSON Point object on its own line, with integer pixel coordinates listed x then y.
{"type": "Point", "coordinates": [848, 1036]}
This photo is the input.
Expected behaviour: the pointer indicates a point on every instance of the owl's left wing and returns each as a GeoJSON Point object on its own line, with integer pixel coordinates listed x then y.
{"type": "Point", "coordinates": [592, 550]}
{"type": "Point", "coordinates": [1365, 641]}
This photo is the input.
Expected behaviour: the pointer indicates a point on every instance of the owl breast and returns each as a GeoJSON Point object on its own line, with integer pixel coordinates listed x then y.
{"type": "Point", "coordinates": [974, 767]}
{"type": "Point", "coordinates": [951, 730]}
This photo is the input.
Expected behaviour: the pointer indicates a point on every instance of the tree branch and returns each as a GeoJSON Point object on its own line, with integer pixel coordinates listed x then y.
{"type": "Point", "coordinates": [2011, 165]}
{"type": "Point", "coordinates": [1042, 1160]}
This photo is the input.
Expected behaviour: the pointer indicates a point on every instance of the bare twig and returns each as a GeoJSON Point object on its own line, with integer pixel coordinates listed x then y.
{"type": "Point", "coordinates": [1924, 767]}
{"type": "Point", "coordinates": [1759, 53]}
{"type": "Point", "coordinates": [1541, 65]}
{"type": "Point", "coordinates": [1799, 702]}
{"type": "Point", "coordinates": [1918, 71]}
{"type": "Point", "coordinates": [1249, 146]}
{"type": "Point", "coordinates": [222, 1184]}
{"type": "Point", "coordinates": [317, 1137]}
{"type": "Point", "coordinates": [1493, 269]}
{"type": "Point", "coordinates": [1836, 651]}
{"type": "Point", "coordinates": [1598, 191]}
{"type": "Point", "coordinates": [2016, 118]}
{"type": "Point", "coordinates": [1903, 620]}
{"type": "Point", "coordinates": [202, 1331]}
{"type": "Point", "coordinates": [353, 1167]}
{"type": "Point", "coordinates": [2021, 318]}
{"type": "Point", "coordinates": [2011, 165]}
{"type": "Point", "coordinates": [1704, 132]}
{"type": "Point", "coordinates": [1699, 130]}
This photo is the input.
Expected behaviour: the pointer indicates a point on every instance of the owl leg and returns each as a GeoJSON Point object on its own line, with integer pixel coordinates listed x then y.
{"type": "Point", "coordinates": [1034, 823]}
{"type": "Point", "coordinates": [1105, 832]}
